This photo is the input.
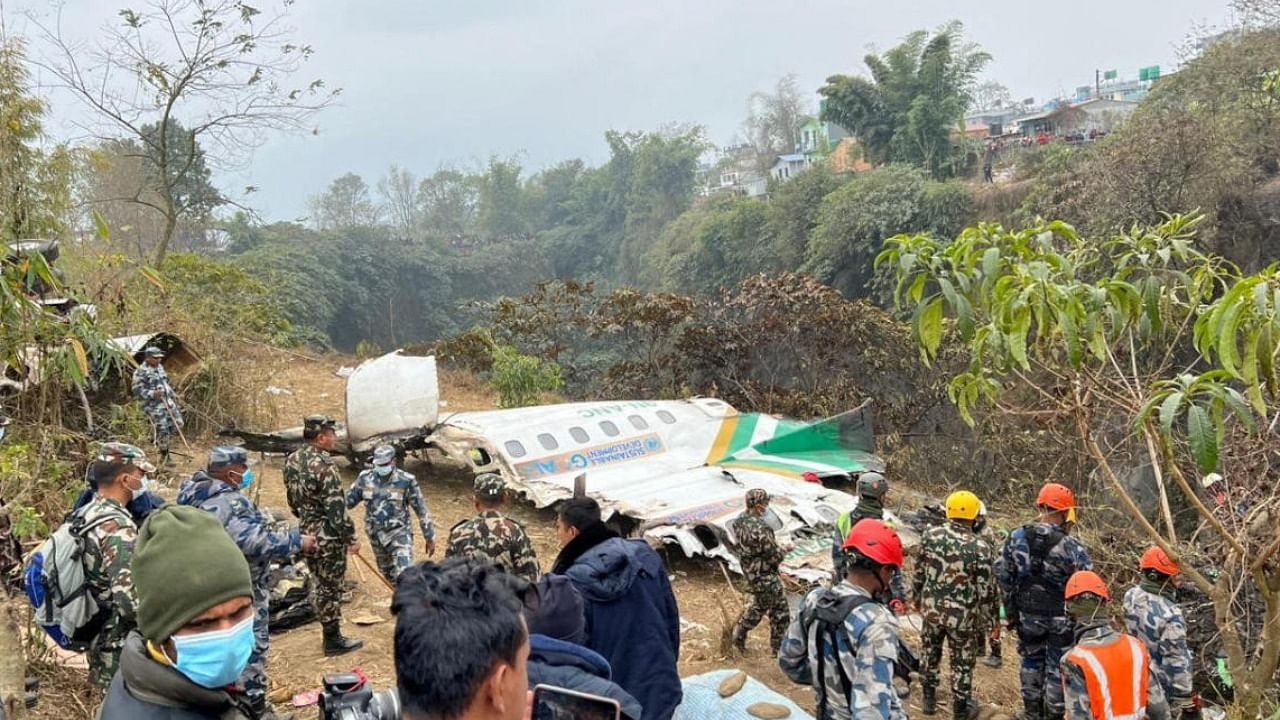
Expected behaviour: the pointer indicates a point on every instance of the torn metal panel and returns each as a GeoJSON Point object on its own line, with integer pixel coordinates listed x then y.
{"type": "Point", "coordinates": [678, 469]}
{"type": "Point", "coordinates": [391, 398]}
{"type": "Point", "coordinates": [180, 360]}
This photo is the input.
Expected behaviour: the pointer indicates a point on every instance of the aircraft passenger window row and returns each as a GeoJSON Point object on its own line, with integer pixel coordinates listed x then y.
{"type": "Point", "coordinates": [666, 417]}
{"type": "Point", "coordinates": [609, 428]}
{"type": "Point", "coordinates": [638, 422]}
{"type": "Point", "coordinates": [514, 448]}
{"type": "Point", "coordinates": [579, 435]}
{"type": "Point", "coordinates": [548, 441]}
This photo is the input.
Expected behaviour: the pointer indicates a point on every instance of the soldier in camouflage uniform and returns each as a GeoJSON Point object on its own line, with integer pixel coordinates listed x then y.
{"type": "Point", "coordinates": [151, 385]}
{"type": "Point", "coordinates": [390, 492]}
{"type": "Point", "coordinates": [1105, 664]}
{"type": "Point", "coordinates": [760, 556]}
{"type": "Point", "coordinates": [489, 535]}
{"type": "Point", "coordinates": [955, 589]}
{"type": "Point", "coordinates": [314, 491]}
{"type": "Point", "coordinates": [872, 488]}
{"type": "Point", "coordinates": [219, 490]}
{"type": "Point", "coordinates": [843, 641]}
{"type": "Point", "coordinates": [1033, 570]}
{"type": "Point", "coordinates": [1152, 615]}
{"type": "Point", "coordinates": [108, 555]}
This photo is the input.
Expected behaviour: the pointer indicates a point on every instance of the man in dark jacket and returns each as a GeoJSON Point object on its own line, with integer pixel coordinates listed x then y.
{"type": "Point", "coordinates": [556, 656]}
{"type": "Point", "coordinates": [195, 623]}
{"type": "Point", "coordinates": [631, 614]}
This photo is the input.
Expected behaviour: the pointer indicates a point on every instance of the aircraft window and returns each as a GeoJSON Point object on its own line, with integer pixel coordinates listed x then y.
{"type": "Point", "coordinates": [514, 448]}
{"type": "Point", "coordinates": [666, 417]}
{"type": "Point", "coordinates": [578, 434]}
{"type": "Point", "coordinates": [638, 422]}
{"type": "Point", "coordinates": [772, 519]}
{"type": "Point", "coordinates": [609, 428]}
{"type": "Point", "coordinates": [548, 441]}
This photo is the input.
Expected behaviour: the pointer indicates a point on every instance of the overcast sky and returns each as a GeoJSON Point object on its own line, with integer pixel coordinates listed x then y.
{"type": "Point", "coordinates": [432, 82]}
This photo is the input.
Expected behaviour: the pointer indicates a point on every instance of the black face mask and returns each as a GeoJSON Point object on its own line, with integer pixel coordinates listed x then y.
{"type": "Point", "coordinates": [885, 593]}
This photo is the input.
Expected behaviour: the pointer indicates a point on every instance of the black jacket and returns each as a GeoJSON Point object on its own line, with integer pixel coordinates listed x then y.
{"type": "Point", "coordinates": [144, 689]}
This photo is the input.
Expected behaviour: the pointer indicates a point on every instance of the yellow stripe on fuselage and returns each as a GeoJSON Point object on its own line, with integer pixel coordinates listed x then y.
{"type": "Point", "coordinates": [720, 448]}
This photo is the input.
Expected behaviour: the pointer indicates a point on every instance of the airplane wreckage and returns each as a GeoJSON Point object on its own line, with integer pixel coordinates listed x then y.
{"type": "Point", "coordinates": [672, 471]}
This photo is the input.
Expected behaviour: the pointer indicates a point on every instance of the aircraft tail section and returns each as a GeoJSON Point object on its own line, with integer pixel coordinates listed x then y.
{"type": "Point", "coordinates": [841, 444]}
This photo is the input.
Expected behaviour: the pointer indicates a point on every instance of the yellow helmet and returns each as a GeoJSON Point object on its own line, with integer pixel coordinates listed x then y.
{"type": "Point", "coordinates": [962, 505]}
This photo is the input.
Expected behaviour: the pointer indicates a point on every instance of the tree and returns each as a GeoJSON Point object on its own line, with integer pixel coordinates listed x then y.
{"type": "Point", "coordinates": [991, 95]}
{"type": "Point", "coordinates": [345, 204]}
{"type": "Point", "coordinates": [917, 94]}
{"type": "Point", "coordinates": [125, 182]}
{"type": "Point", "coordinates": [400, 200]}
{"type": "Point", "coordinates": [448, 201]}
{"type": "Point", "coordinates": [500, 204]}
{"type": "Point", "coordinates": [35, 184]}
{"type": "Point", "coordinates": [1143, 350]}
{"type": "Point", "coordinates": [774, 120]}
{"type": "Point", "coordinates": [182, 73]}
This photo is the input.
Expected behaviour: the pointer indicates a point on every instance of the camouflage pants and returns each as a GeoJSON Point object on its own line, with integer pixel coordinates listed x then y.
{"type": "Point", "coordinates": [393, 554]}
{"type": "Point", "coordinates": [103, 654]}
{"type": "Point", "coordinates": [164, 423]}
{"type": "Point", "coordinates": [1042, 641]}
{"type": "Point", "coordinates": [254, 677]}
{"type": "Point", "coordinates": [767, 597]}
{"type": "Point", "coordinates": [328, 572]}
{"type": "Point", "coordinates": [965, 644]}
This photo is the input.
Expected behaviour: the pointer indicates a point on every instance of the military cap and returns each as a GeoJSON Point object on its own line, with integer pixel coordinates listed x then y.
{"type": "Point", "coordinates": [383, 455]}
{"type": "Point", "coordinates": [872, 485]}
{"type": "Point", "coordinates": [490, 485]}
{"type": "Point", "coordinates": [116, 452]}
{"type": "Point", "coordinates": [313, 425]}
{"type": "Point", "coordinates": [226, 456]}
{"type": "Point", "coordinates": [154, 352]}
{"type": "Point", "coordinates": [757, 497]}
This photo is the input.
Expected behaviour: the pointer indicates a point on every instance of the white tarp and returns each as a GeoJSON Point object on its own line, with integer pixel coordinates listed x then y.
{"type": "Point", "coordinates": [390, 396]}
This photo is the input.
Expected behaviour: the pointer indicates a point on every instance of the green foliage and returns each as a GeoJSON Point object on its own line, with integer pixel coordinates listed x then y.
{"type": "Point", "coordinates": [711, 247]}
{"type": "Point", "coordinates": [918, 92]}
{"type": "Point", "coordinates": [794, 208]}
{"type": "Point", "coordinates": [37, 484]}
{"type": "Point", "coordinates": [226, 297]}
{"type": "Point", "coordinates": [522, 380]}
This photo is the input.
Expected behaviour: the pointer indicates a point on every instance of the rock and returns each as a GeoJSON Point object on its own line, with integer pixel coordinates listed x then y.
{"type": "Point", "coordinates": [768, 710]}
{"type": "Point", "coordinates": [732, 684]}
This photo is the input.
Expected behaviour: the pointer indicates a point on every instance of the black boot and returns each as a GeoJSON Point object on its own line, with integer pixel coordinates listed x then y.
{"type": "Point", "coordinates": [335, 643]}
{"type": "Point", "coordinates": [740, 638]}
{"type": "Point", "coordinates": [960, 709]}
{"type": "Point", "coordinates": [996, 658]}
{"type": "Point", "coordinates": [260, 709]}
{"type": "Point", "coordinates": [929, 701]}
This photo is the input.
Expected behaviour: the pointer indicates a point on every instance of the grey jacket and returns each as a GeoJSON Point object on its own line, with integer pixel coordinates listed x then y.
{"type": "Point", "coordinates": [144, 689]}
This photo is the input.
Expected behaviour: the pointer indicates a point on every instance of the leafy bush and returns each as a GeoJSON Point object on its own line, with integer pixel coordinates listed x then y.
{"type": "Point", "coordinates": [522, 380]}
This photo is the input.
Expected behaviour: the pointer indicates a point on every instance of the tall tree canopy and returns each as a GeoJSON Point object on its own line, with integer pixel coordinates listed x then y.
{"type": "Point", "coordinates": [917, 94]}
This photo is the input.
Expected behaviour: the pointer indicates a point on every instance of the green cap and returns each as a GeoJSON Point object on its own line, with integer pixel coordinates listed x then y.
{"type": "Point", "coordinates": [184, 563]}
{"type": "Point", "coordinates": [490, 485]}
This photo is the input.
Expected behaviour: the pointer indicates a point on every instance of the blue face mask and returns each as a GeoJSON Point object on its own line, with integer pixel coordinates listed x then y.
{"type": "Point", "coordinates": [246, 480]}
{"type": "Point", "coordinates": [383, 470]}
{"type": "Point", "coordinates": [215, 659]}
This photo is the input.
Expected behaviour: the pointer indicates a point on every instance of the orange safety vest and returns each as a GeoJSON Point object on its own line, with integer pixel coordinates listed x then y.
{"type": "Point", "coordinates": [1116, 677]}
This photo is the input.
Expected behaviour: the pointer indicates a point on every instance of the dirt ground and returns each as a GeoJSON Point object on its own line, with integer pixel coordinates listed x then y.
{"type": "Point", "coordinates": [295, 663]}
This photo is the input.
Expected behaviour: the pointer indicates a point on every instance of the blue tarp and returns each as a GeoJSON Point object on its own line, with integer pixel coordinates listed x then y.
{"type": "Point", "coordinates": [702, 699]}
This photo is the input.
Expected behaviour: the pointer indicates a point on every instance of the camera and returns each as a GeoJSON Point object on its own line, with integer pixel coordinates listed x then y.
{"type": "Point", "coordinates": [347, 696]}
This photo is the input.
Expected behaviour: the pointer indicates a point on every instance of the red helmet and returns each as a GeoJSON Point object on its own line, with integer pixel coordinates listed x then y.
{"type": "Point", "coordinates": [1156, 559]}
{"type": "Point", "coordinates": [1056, 497]}
{"type": "Point", "coordinates": [875, 541]}
{"type": "Point", "coordinates": [1086, 581]}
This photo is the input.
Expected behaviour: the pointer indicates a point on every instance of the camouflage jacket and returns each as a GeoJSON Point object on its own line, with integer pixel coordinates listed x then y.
{"type": "Point", "coordinates": [147, 380]}
{"type": "Point", "coordinates": [866, 652]}
{"type": "Point", "coordinates": [758, 549]}
{"type": "Point", "coordinates": [500, 540]}
{"type": "Point", "coordinates": [955, 583]}
{"type": "Point", "coordinates": [1032, 587]}
{"type": "Point", "coordinates": [1157, 621]}
{"type": "Point", "coordinates": [1076, 689]}
{"type": "Point", "coordinates": [314, 491]}
{"type": "Point", "coordinates": [108, 560]}
{"type": "Point", "coordinates": [248, 526]}
{"type": "Point", "coordinates": [388, 501]}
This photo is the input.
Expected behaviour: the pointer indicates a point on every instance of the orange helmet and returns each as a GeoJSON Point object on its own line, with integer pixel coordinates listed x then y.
{"type": "Point", "coordinates": [875, 541]}
{"type": "Point", "coordinates": [1086, 582]}
{"type": "Point", "coordinates": [1156, 559]}
{"type": "Point", "coordinates": [1056, 497]}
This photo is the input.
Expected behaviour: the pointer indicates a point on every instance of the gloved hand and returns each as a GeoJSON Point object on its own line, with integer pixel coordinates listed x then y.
{"type": "Point", "coordinates": [899, 607]}
{"type": "Point", "coordinates": [1187, 708]}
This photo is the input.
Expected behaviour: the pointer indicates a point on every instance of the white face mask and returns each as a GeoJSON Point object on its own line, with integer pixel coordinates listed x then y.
{"type": "Point", "coordinates": [143, 488]}
{"type": "Point", "coordinates": [383, 470]}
